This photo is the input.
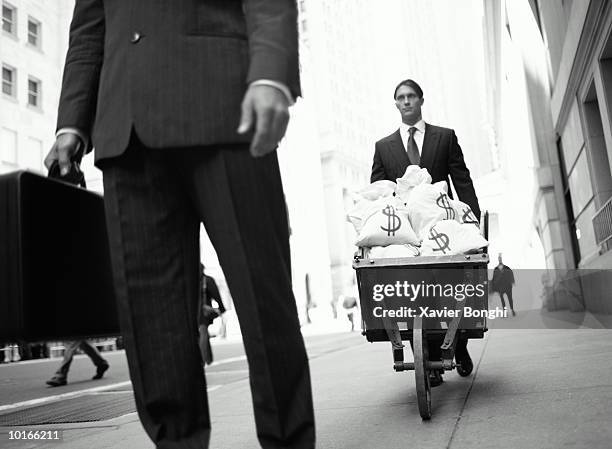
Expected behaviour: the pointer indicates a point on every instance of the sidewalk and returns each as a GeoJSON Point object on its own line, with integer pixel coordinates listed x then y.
{"type": "Point", "coordinates": [529, 389]}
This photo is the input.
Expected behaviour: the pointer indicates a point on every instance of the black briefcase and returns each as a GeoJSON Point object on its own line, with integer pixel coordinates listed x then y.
{"type": "Point", "coordinates": [55, 272]}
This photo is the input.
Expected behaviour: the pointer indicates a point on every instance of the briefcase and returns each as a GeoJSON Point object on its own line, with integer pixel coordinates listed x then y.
{"type": "Point", "coordinates": [55, 273]}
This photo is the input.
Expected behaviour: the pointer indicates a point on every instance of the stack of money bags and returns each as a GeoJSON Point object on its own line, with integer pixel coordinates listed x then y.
{"type": "Point", "coordinates": [413, 217]}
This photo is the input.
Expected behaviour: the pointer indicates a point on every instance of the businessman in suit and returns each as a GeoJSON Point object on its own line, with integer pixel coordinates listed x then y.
{"type": "Point", "coordinates": [436, 149]}
{"type": "Point", "coordinates": [185, 103]}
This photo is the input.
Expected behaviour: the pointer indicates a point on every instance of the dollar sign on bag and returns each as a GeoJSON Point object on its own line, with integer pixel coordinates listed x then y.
{"type": "Point", "coordinates": [443, 202]}
{"type": "Point", "coordinates": [468, 216]}
{"type": "Point", "coordinates": [393, 221]}
{"type": "Point", "coordinates": [441, 240]}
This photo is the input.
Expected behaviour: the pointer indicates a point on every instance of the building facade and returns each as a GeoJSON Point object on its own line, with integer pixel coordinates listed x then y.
{"type": "Point", "coordinates": [353, 53]}
{"type": "Point", "coordinates": [33, 44]}
{"type": "Point", "coordinates": [559, 51]}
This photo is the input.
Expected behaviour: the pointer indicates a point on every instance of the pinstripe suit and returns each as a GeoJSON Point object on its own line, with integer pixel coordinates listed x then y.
{"type": "Point", "coordinates": [158, 85]}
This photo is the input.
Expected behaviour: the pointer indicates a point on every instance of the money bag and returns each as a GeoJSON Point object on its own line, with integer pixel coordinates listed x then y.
{"type": "Point", "coordinates": [449, 237]}
{"type": "Point", "coordinates": [464, 213]}
{"type": "Point", "coordinates": [387, 224]}
{"type": "Point", "coordinates": [393, 251]}
{"type": "Point", "coordinates": [413, 176]}
{"type": "Point", "coordinates": [376, 190]}
{"type": "Point", "coordinates": [366, 198]}
{"type": "Point", "coordinates": [429, 204]}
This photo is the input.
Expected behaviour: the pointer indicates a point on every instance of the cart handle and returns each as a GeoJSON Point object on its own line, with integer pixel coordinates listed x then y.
{"type": "Point", "coordinates": [484, 228]}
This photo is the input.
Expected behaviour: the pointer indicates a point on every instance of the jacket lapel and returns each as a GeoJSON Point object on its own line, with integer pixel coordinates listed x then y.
{"type": "Point", "coordinates": [430, 145]}
{"type": "Point", "coordinates": [398, 153]}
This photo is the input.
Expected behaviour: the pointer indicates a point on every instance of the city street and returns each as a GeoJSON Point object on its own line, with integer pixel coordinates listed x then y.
{"type": "Point", "coordinates": [530, 388]}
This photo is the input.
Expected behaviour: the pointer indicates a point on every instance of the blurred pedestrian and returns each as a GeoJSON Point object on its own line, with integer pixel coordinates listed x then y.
{"type": "Point", "coordinates": [61, 375]}
{"type": "Point", "coordinates": [210, 307]}
{"type": "Point", "coordinates": [349, 304]}
{"type": "Point", "coordinates": [503, 282]}
{"type": "Point", "coordinates": [185, 103]}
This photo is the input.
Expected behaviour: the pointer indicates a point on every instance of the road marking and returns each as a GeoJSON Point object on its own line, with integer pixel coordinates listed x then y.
{"type": "Point", "coordinates": [59, 397]}
{"type": "Point", "coordinates": [54, 359]}
{"type": "Point", "coordinates": [72, 394]}
{"type": "Point", "coordinates": [226, 372]}
{"type": "Point", "coordinates": [228, 360]}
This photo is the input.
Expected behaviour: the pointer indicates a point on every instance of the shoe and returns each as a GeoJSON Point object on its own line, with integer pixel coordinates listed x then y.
{"type": "Point", "coordinates": [513, 313]}
{"type": "Point", "coordinates": [57, 381]}
{"type": "Point", "coordinates": [464, 364]}
{"type": "Point", "coordinates": [435, 378]}
{"type": "Point", "coordinates": [100, 370]}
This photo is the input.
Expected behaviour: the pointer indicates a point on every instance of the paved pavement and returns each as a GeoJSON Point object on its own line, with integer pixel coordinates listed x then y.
{"type": "Point", "coordinates": [530, 389]}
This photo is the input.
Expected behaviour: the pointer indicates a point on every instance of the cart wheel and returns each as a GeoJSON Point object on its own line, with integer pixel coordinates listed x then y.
{"type": "Point", "coordinates": [421, 373]}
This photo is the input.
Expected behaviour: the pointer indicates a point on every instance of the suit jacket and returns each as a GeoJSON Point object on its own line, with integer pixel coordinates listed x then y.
{"type": "Point", "coordinates": [503, 280]}
{"type": "Point", "coordinates": [441, 155]}
{"type": "Point", "coordinates": [208, 292]}
{"type": "Point", "coordinates": [173, 71]}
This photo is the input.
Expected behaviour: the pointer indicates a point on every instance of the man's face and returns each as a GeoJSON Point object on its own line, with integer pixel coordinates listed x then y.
{"type": "Point", "coordinates": [408, 102]}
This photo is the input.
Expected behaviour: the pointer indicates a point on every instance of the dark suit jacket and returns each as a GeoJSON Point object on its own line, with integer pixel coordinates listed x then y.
{"type": "Point", "coordinates": [174, 71]}
{"type": "Point", "coordinates": [502, 280]}
{"type": "Point", "coordinates": [441, 155]}
{"type": "Point", "coordinates": [209, 292]}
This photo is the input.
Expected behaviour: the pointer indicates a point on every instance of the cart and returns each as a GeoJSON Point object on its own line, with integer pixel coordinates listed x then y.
{"type": "Point", "coordinates": [453, 315]}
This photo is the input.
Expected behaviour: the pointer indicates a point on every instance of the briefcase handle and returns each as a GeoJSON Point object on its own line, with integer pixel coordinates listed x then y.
{"type": "Point", "coordinates": [74, 176]}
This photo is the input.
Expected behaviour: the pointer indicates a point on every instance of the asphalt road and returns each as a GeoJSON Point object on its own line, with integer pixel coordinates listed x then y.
{"type": "Point", "coordinates": [25, 381]}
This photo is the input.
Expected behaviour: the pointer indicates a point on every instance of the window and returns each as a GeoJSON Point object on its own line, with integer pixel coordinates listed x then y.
{"type": "Point", "coordinates": [9, 79]}
{"type": "Point", "coordinates": [9, 19]}
{"type": "Point", "coordinates": [33, 32]}
{"type": "Point", "coordinates": [8, 146]}
{"type": "Point", "coordinates": [33, 155]}
{"type": "Point", "coordinates": [33, 92]}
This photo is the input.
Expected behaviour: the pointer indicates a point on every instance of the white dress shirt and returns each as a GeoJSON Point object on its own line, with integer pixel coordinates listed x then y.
{"type": "Point", "coordinates": [419, 134]}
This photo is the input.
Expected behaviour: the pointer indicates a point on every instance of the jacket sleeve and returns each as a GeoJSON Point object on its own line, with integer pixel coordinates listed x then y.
{"type": "Point", "coordinates": [460, 175]}
{"type": "Point", "coordinates": [378, 168]}
{"type": "Point", "coordinates": [79, 94]}
{"type": "Point", "coordinates": [212, 292]}
{"type": "Point", "coordinates": [273, 42]}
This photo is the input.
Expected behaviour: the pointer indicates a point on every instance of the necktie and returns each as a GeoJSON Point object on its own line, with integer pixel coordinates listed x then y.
{"type": "Point", "coordinates": [412, 149]}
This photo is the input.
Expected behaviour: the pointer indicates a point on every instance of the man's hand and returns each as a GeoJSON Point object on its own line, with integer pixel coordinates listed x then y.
{"type": "Point", "coordinates": [265, 108]}
{"type": "Point", "coordinates": [66, 146]}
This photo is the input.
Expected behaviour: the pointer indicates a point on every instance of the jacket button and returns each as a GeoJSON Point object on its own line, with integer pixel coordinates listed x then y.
{"type": "Point", "coordinates": [135, 37]}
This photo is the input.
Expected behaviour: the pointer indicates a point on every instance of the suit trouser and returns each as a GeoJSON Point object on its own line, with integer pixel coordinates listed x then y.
{"type": "Point", "coordinates": [155, 201]}
{"type": "Point", "coordinates": [69, 351]}
{"type": "Point", "coordinates": [508, 294]}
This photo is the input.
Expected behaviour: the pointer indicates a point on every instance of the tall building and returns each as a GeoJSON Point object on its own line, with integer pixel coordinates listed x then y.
{"type": "Point", "coordinates": [552, 59]}
{"type": "Point", "coordinates": [33, 45]}
{"type": "Point", "coordinates": [353, 53]}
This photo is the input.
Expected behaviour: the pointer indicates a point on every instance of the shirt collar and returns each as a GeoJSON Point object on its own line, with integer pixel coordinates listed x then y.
{"type": "Point", "coordinates": [420, 126]}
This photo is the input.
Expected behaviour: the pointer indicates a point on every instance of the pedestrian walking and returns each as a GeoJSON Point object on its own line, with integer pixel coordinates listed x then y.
{"type": "Point", "coordinates": [503, 282]}
{"type": "Point", "coordinates": [210, 307]}
{"type": "Point", "coordinates": [349, 304]}
{"type": "Point", "coordinates": [61, 375]}
{"type": "Point", "coordinates": [185, 103]}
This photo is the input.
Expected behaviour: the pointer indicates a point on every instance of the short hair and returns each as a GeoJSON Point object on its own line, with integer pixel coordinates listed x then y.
{"type": "Point", "coordinates": [409, 83]}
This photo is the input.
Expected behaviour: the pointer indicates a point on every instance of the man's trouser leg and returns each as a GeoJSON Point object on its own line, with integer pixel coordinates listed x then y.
{"type": "Point", "coordinates": [501, 296]}
{"type": "Point", "coordinates": [69, 350]}
{"type": "Point", "coordinates": [154, 242]}
{"type": "Point", "coordinates": [93, 353]}
{"type": "Point", "coordinates": [241, 202]}
{"type": "Point", "coordinates": [510, 302]}
{"type": "Point", "coordinates": [155, 200]}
